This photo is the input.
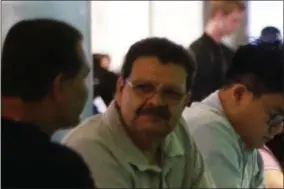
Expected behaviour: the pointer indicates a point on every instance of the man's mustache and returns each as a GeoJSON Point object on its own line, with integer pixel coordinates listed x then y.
{"type": "Point", "coordinates": [161, 112]}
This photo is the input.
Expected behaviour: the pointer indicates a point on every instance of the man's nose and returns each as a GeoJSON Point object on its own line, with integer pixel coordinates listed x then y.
{"type": "Point", "coordinates": [156, 99]}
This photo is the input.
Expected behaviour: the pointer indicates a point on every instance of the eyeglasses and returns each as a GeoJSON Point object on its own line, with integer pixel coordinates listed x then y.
{"type": "Point", "coordinates": [147, 90]}
{"type": "Point", "coordinates": [276, 120]}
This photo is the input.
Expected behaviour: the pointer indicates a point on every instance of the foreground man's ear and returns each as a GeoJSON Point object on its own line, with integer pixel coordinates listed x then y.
{"type": "Point", "coordinates": [119, 88]}
{"type": "Point", "coordinates": [188, 100]}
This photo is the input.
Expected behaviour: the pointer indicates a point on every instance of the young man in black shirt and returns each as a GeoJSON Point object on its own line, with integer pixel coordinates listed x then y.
{"type": "Point", "coordinates": [210, 55]}
{"type": "Point", "coordinates": [43, 89]}
{"type": "Point", "coordinates": [271, 34]}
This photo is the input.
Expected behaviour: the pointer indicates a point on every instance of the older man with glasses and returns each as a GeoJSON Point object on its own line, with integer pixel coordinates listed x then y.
{"type": "Point", "coordinates": [141, 141]}
{"type": "Point", "coordinates": [233, 122]}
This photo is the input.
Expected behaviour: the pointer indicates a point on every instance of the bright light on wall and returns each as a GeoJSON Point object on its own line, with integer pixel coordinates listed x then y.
{"type": "Point", "coordinates": [180, 21]}
{"type": "Point", "coordinates": [262, 14]}
{"type": "Point", "coordinates": [116, 25]}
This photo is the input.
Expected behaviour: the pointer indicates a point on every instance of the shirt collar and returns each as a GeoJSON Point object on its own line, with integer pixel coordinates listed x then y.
{"type": "Point", "coordinates": [172, 145]}
{"type": "Point", "coordinates": [209, 39]}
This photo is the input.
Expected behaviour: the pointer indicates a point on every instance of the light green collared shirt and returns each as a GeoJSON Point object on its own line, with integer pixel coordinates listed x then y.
{"type": "Point", "coordinates": [115, 162]}
{"type": "Point", "coordinates": [224, 152]}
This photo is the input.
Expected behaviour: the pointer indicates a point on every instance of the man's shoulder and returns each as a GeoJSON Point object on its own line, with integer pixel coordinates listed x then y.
{"type": "Point", "coordinates": [203, 115]}
{"type": "Point", "coordinates": [89, 129]}
{"type": "Point", "coordinates": [204, 122]}
{"type": "Point", "coordinates": [92, 138]}
{"type": "Point", "coordinates": [67, 162]}
{"type": "Point", "coordinates": [64, 155]}
{"type": "Point", "coordinates": [65, 158]}
{"type": "Point", "coordinates": [227, 48]}
{"type": "Point", "coordinates": [196, 44]}
{"type": "Point", "coordinates": [50, 165]}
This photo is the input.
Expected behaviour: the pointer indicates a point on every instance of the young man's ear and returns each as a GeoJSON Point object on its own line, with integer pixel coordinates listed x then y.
{"type": "Point", "coordinates": [188, 99]}
{"type": "Point", "coordinates": [239, 91]}
{"type": "Point", "coordinates": [12, 107]}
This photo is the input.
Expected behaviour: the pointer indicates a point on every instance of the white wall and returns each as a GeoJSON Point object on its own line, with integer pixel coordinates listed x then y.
{"type": "Point", "coordinates": [262, 14]}
{"type": "Point", "coordinates": [180, 21]}
{"type": "Point", "coordinates": [118, 24]}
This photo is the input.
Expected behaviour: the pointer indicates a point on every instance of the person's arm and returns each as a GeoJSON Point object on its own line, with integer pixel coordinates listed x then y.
{"type": "Point", "coordinates": [219, 152]}
{"type": "Point", "coordinates": [105, 169]}
{"type": "Point", "coordinates": [274, 179]}
{"type": "Point", "coordinates": [273, 175]}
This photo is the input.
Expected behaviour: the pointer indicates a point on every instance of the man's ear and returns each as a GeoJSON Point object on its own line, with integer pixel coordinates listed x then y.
{"type": "Point", "coordinates": [12, 107]}
{"type": "Point", "coordinates": [58, 89]}
{"type": "Point", "coordinates": [187, 99]}
{"type": "Point", "coordinates": [119, 89]}
{"type": "Point", "coordinates": [239, 93]}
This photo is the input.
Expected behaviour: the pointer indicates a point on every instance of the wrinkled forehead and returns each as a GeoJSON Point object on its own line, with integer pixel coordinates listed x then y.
{"type": "Point", "coordinates": [152, 70]}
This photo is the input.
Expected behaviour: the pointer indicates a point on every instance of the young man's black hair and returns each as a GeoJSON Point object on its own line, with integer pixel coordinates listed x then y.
{"type": "Point", "coordinates": [259, 66]}
{"type": "Point", "coordinates": [270, 34]}
{"type": "Point", "coordinates": [43, 73]}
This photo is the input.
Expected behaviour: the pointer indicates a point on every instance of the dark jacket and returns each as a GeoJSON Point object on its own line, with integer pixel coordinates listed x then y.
{"type": "Point", "coordinates": [104, 85]}
{"type": "Point", "coordinates": [212, 60]}
{"type": "Point", "coordinates": [30, 160]}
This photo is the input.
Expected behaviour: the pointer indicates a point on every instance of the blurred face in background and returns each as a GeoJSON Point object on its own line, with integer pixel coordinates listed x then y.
{"type": "Point", "coordinates": [229, 23]}
{"type": "Point", "coordinates": [105, 62]}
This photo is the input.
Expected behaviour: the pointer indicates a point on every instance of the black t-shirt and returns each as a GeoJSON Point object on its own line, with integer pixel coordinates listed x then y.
{"type": "Point", "coordinates": [105, 87]}
{"type": "Point", "coordinates": [212, 60]}
{"type": "Point", "coordinates": [30, 160]}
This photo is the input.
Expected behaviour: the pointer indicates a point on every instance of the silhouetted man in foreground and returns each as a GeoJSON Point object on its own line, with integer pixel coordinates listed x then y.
{"type": "Point", "coordinates": [43, 89]}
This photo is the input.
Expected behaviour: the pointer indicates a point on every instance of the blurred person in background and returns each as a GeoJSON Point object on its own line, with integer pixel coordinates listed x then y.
{"type": "Point", "coordinates": [105, 60]}
{"type": "Point", "coordinates": [104, 80]}
{"type": "Point", "coordinates": [211, 56]}
{"type": "Point", "coordinates": [231, 124]}
{"type": "Point", "coordinates": [140, 141]}
{"type": "Point", "coordinates": [43, 89]}
{"type": "Point", "coordinates": [273, 152]}
{"type": "Point", "coordinates": [271, 34]}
